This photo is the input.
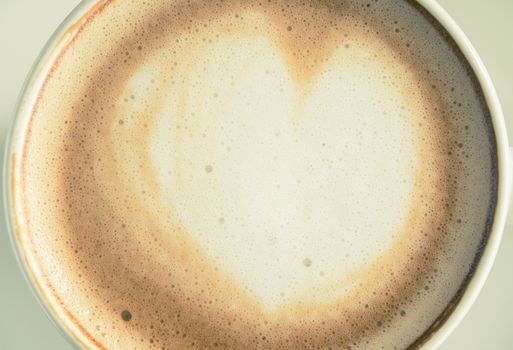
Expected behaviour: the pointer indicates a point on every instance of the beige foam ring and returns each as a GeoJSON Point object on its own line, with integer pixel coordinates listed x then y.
{"type": "Point", "coordinates": [258, 175]}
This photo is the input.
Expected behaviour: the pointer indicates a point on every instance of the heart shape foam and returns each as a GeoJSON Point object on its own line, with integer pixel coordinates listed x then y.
{"type": "Point", "coordinates": [286, 185]}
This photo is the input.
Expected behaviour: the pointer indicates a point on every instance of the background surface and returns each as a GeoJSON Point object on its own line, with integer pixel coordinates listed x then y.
{"type": "Point", "coordinates": [25, 25]}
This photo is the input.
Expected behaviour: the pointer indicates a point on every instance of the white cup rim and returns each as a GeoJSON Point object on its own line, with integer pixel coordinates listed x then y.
{"type": "Point", "coordinates": [505, 171]}
{"type": "Point", "coordinates": [504, 175]}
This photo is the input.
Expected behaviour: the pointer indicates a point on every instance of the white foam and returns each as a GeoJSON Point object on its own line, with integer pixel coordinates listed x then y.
{"type": "Point", "coordinates": [265, 173]}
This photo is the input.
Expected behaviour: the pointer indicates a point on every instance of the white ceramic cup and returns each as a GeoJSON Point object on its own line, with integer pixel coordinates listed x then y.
{"type": "Point", "coordinates": [504, 157]}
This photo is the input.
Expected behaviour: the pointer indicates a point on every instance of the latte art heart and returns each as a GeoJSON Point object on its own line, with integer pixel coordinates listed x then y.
{"type": "Point", "coordinates": [243, 158]}
{"type": "Point", "coordinates": [280, 175]}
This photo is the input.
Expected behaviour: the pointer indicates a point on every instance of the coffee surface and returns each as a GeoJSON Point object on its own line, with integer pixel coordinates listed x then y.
{"type": "Point", "coordinates": [259, 174]}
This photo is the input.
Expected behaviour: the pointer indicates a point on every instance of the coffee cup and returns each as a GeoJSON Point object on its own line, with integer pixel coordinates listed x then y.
{"type": "Point", "coordinates": [437, 331]}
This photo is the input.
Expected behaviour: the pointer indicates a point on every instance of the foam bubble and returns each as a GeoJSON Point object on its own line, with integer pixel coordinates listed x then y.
{"type": "Point", "coordinates": [259, 175]}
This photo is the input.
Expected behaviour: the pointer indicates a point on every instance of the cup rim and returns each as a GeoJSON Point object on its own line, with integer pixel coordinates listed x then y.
{"type": "Point", "coordinates": [31, 85]}
{"type": "Point", "coordinates": [67, 30]}
{"type": "Point", "coordinates": [504, 187]}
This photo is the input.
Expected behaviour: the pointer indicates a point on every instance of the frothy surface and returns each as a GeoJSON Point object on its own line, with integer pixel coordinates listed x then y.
{"type": "Point", "coordinates": [258, 175]}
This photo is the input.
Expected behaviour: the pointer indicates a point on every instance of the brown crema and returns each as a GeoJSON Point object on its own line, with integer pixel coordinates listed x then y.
{"type": "Point", "coordinates": [119, 265]}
